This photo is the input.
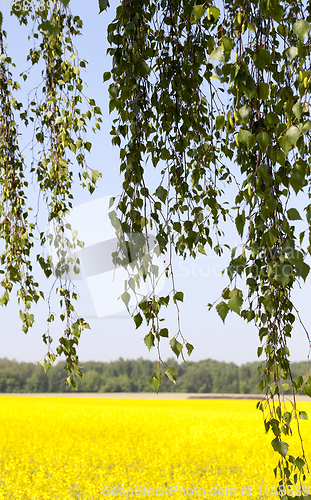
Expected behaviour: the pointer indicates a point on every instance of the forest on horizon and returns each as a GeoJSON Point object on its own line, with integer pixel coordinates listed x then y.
{"type": "Point", "coordinates": [207, 376]}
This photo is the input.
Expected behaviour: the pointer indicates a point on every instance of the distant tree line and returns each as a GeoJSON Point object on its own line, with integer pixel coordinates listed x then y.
{"type": "Point", "coordinates": [208, 376]}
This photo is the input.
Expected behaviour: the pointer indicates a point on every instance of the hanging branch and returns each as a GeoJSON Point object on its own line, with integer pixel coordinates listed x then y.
{"type": "Point", "coordinates": [196, 89]}
{"type": "Point", "coordinates": [60, 113]}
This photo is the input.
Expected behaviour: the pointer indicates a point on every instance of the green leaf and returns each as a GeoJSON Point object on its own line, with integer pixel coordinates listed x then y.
{"type": "Point", "coordinates": [262, 384]}
{"type": "Point", "coordinates": [296, 259]}
{"type": "Point", "coordinates": [263, 59]}
{"type": "Point", "coordinates": [155, 384]}
{"type": "Point", "coordinates": [301, 29]}
{"type": "Point", "coordinates": [280, 446]}
{"type": "Point", "coordinates": [198, 11]}
{"type": "Point", "coordinates": [272, 204]}
{"type": "Point", "coordinates": [236, 301]}
{"type": "Point", "coordinates": [264, 91]}
{"type": "Point", "coordinates": [304, 271]}
{"type": "Point", "coordinates": [125, 297]}
{"type": "Point", "coordinates": [161, 193]}
{"type": "Point", "coordinates": [176, 346]}
{"type": "Point", "coordinates": [218, 53]}
{"type": "Point", "coordinates": [163, 332]}
{"type": "Point", "coordinates": [263, 140]}
{"type": "Point", "coordinates": [289, 140]}
{"type": "Point", "coordinates": [222, 308]}
{"type": "Point", "coordinates": [228, 45]}
{"type": "Point", "coordinates": [48, 29]}
{"type": "Point", "coordinates": [1, 20]}
{"type": "Point", "coordinates": [303, 415]}
{"type": "Point", "coordinates": [103, 5]}
{"type": "Point", "coordinates": [106, 76]}
{"type": "Point", "coordinates": [171, 374]}
{"type": "Point", "coordinates": [299, 463]}
{"type": "Point", "coordinates": [297, 109]}
{"type": "Point", "coordinates": [165, 154]}
{"type": "Point", "coordinates": [149, 340]}
{"type": "Point", "coordinates": [220, 121]}
{"type": "Point", "coordinates": [298, 381]}
{"type": "Point", "coordinates": [291, 53]}
{"type": "Point", "coordinates": [189, 348]}
{"type": "Point", "coordinates": [138, 320]}
{"type": "Point", "coordinates": [215, 12]}
{"type": "Point", "coordinates": [307, 390]}
{"type": "Point", "coordinates": [244, 136]}
{"type": "Point", "coordinates": [244, 112]}
{"type": "Point", "coordinates": [293, 133]}
{"type": "Point", "coordinates": [293, 214]}
{"type": "Point", "coordinates": [178, 296]}
{"type": "Point", "coordinates": [305, 127]}
{"type": "Point", "coordinates": [280, 157]}
{"type": "Point", "coordinates": [177, 226]}
{"type": "Point", "coordinates": [240, 222]}
{"type": "Point", "coordinates": [157, 374]}
{"type": "Point", "coordinates": [285, 144]}
{"type": "Point", "coordinates": [287, 417]}
{"type": "Point", "coordinates": [285, 387]}
{"type": "Point", "coordinates": [95, 175]}
{"type": "Point", "coordinates": [276, 11]}
{"type": "Point", "coordinates": [249, 87]}
{"type": "Point", "coordinates": [65, 2]}
{"type": "Point", "coordinates": [283, 273]}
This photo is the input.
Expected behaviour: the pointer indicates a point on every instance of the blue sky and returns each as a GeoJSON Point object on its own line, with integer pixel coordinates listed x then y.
{"type": "Point", "coordinates": [115, 336]}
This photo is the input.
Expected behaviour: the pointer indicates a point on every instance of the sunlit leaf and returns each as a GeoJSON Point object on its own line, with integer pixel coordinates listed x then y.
{"type": "Point", "coordinates": [301, 28]}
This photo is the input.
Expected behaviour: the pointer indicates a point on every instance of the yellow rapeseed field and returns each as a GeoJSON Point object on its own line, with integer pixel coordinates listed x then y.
{"type": "Point", "coordinates": [90, 449]}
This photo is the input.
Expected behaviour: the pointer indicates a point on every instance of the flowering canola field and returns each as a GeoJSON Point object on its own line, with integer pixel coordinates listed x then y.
{"type": "Point", "coordinates": [91, 449]}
